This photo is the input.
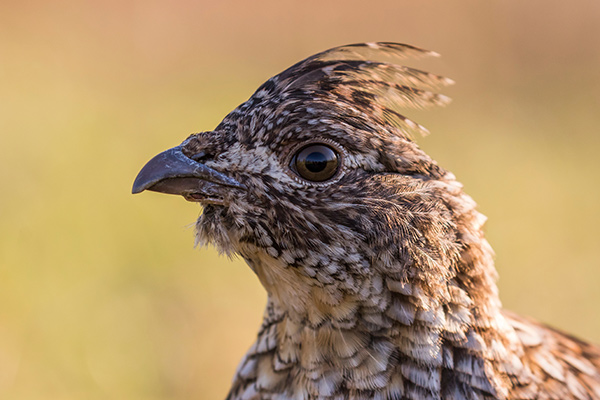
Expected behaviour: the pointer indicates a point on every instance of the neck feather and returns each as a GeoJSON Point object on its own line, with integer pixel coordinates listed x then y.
{"type": "Point", "coordinates": [426, 329]}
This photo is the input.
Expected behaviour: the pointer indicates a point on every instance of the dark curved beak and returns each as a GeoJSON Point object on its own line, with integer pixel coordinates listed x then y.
{"type": "Point", "coordinates": [173, 172]}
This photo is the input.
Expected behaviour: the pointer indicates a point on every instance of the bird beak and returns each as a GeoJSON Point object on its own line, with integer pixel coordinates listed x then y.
{"type": "Point", "coordinates": [173, 172]}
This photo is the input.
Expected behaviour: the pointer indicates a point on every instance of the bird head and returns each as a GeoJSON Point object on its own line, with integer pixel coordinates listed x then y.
{"type": "Point", "coordinates": [316, 182]}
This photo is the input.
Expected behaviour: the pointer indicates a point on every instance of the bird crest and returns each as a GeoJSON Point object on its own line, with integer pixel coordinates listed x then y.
{"type": "Point", "coordinates": [350, 74]}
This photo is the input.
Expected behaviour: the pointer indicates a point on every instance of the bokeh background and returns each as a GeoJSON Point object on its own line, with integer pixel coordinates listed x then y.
{"type": "Point", "coordinates": [102, 295]}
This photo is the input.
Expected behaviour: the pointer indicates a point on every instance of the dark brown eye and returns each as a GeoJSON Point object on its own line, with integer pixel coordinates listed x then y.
{"type": "Point", "coordinates": [316, 162]}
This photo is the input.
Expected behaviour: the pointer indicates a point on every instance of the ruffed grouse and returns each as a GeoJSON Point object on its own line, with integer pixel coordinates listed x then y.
{"type": "Point", "coordinates": [380, 282]}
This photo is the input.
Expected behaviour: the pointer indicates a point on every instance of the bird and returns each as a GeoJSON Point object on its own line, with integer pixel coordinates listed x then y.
{"type": "Point", "coordinates": [380, 282]}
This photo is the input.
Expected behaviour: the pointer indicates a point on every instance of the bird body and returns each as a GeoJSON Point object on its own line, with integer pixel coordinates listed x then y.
{"type": "Point", "coordinates": [380, 282]}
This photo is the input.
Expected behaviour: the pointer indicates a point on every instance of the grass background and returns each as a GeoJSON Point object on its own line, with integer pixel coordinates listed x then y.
{"type": "Point", "coordinates": [102, 295]}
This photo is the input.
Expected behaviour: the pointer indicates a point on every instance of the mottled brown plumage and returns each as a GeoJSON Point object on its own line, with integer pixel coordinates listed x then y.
{"type": "Point", "coordinates": [380, 282]}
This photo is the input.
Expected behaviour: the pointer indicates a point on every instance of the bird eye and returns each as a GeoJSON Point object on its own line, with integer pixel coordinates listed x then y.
{"type": "Point", "coordinates": [315, 162]}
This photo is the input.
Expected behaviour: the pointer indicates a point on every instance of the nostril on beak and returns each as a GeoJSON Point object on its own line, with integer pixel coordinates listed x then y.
{"type": "Point", "coordinates": [198, 157]}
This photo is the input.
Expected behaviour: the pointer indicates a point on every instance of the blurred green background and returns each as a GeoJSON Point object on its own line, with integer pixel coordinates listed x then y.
{"type": "Point", "coordinates": [102, 295]}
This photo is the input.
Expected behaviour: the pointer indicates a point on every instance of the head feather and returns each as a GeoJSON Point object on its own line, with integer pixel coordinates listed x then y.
{"type": "Point", "coordinates": [350, 76]}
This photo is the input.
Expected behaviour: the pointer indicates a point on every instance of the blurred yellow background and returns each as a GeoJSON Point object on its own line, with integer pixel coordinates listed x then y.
{"type": "Point", "coordinates": [102, 295]}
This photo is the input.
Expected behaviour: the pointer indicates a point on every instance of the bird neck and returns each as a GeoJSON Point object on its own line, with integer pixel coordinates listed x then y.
{"type": "Point", "coordinates": [413, 322]}
{"type": "Point", "coordinates": [448, 276]}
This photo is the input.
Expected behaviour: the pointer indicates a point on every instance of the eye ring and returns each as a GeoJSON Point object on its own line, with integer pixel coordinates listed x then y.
{"type": "Point", "coordinates": [316, 162]}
